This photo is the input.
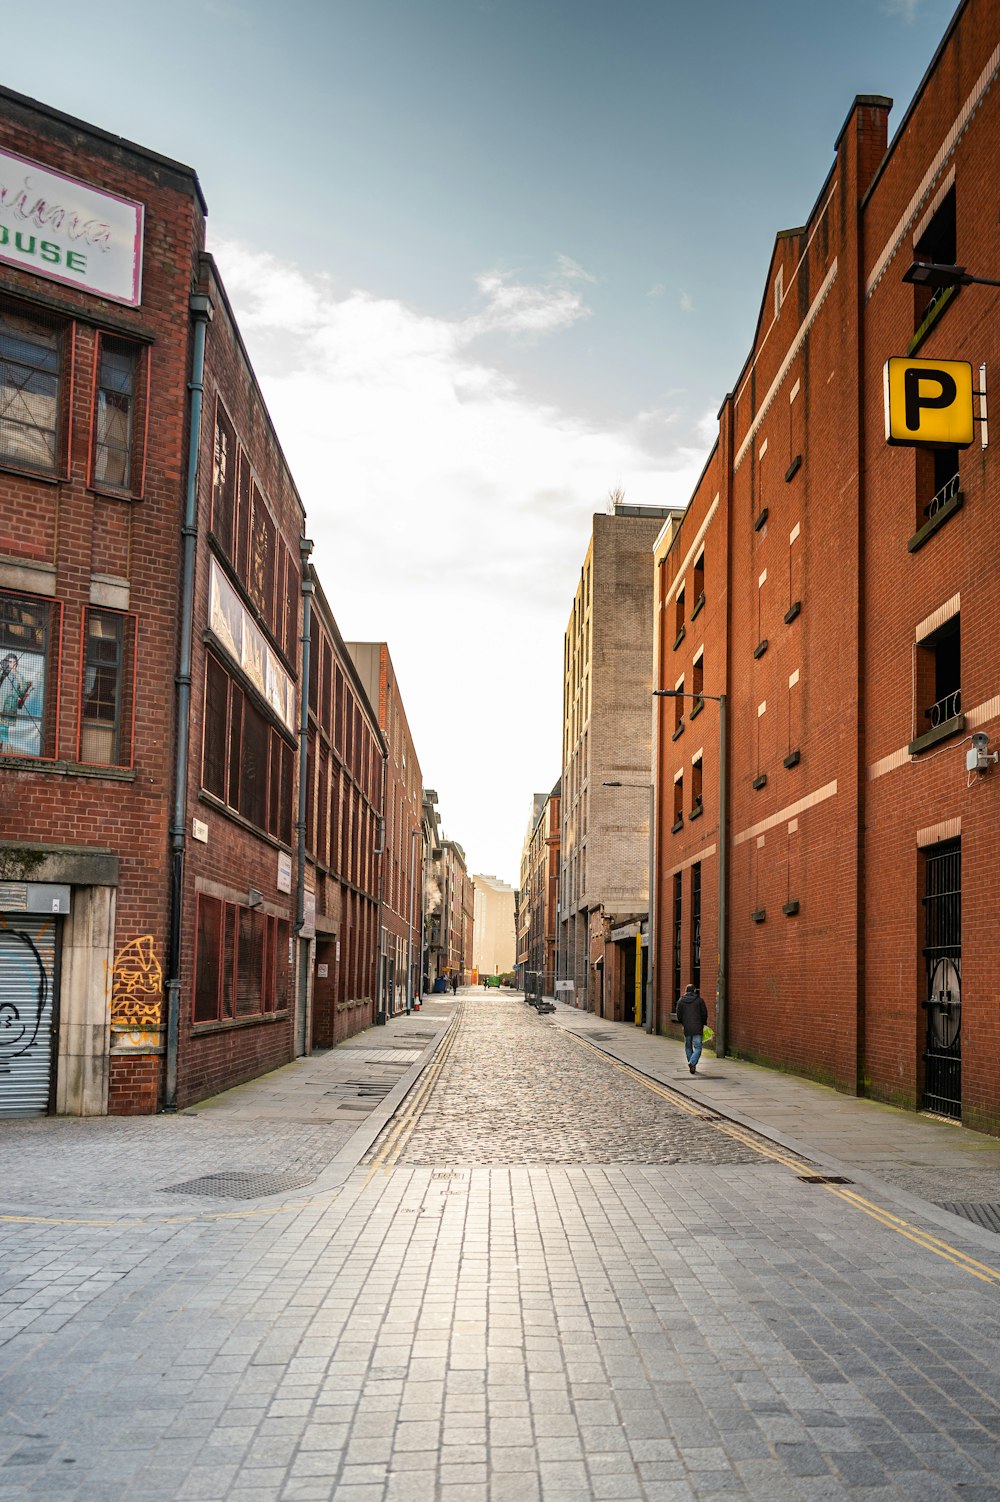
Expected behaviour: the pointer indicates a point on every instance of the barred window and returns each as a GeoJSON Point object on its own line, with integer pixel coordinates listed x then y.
{"type": "Point", "coordinates": [241, 964]}
{"type": "Point", "coordinates": [30, 376]}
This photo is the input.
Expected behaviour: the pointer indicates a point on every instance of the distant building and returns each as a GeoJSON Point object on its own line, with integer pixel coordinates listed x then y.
{"type": "Point", "coordinates": [493, 934]}
{"type": "Point", "coordinates": [539, 894]}
{"type": "Point", "coordinates": [607, 719]}
{"type": "Point", "coordinates": [402, 861]}
{"type": "Point", "coordinates": [344, 807]}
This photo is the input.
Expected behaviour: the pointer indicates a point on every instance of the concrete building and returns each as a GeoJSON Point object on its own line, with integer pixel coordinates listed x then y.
{"type": "Point", "coordinates": [850, 587]}
{"type": "Point", "coordinates": [607, 684]}
{"type": "Point", "coordinates": [493, 941]}
{"type": "Point", "coordinates": [402, 862]}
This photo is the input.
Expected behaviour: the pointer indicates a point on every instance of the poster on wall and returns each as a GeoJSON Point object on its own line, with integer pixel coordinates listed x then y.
{"type": "Point", "coordinates": [69, 231]}
{"type": "Point", "coordinates": [22, 703]}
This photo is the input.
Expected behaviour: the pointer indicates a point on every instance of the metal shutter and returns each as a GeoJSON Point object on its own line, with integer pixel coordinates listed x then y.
{"type": "Point", "coordinates": [27, 995]}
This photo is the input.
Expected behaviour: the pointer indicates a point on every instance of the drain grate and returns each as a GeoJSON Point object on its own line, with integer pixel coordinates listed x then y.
{"type": "Point", "coordinates": [236, 1185]}
{"type": "Point", "coordinates": [823, 1178]}
{"type": "Point", "coordinates": [987, 1216]}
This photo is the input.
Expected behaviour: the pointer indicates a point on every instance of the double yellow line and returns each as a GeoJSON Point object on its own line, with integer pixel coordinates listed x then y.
{"type": "Point", "coordinates": [770, 1150]}
{"type": "Point", "coordinates": [405, 1124]}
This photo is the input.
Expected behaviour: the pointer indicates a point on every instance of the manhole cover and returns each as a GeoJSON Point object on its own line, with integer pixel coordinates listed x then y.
{"type": "Point", "coordinates": [240, 1186]}
{"type": "Point", "coordinates": [824, 1178]}
{"type": "Point", "coordinates": [980, 1215]}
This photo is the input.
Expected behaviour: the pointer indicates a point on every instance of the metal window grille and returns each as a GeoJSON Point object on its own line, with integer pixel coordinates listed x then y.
{"type": "Point", "coordinates": [943, 967]}
{"type": "Point", "coordinates": [696, 924]}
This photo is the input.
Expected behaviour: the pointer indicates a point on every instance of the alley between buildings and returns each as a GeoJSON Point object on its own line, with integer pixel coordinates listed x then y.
{"type": "Point", "coordinates": [532, 1270]}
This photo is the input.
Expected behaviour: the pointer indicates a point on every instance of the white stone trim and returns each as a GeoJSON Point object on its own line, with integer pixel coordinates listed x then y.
{"type": "Point", "coordinates": [786, 364]}
{"type": "Point", "coordinates": [690, 860]}
{"type": "Point", "coordinates": [809, 801]}
{"type": "Point", "coordinates": [938, 617]}
{"type": "Point", "coordinates": [692, 551]}
{"type": "Point", "coordinates": [947, 829]}
{"type": "Point", "coordinates": [930, 177]}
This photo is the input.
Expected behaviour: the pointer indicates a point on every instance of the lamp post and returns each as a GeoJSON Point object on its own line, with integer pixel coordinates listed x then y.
{"type": "Point", "coordinates": [650, 788]}
{"type": "Point", "coordinates": [937, 275]}
{"type": "Point", "coordinates": [720, 978]}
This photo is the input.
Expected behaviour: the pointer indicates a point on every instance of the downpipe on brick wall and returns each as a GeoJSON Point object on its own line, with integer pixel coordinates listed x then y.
{"type": "Point", "coordinates": [201, 312]}
{"type": "Point", "coordinates": [302, 974]}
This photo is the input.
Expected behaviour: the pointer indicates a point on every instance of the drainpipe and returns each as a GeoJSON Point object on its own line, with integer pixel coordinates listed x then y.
{"type": "Point", "coordinates": [409, 937]}
{"type": "Point", "coordinates": [201, 310]}
{"type": "Point", "coordinates": [380, 852]}
{"type": "Point", "coordinates": [305, 550]}
{"type": "Point", "coordinates": [722, 978]}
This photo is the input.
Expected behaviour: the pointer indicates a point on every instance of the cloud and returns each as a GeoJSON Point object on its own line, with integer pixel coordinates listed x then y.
{"type": "Point", "coordinates": [687, 303]}
{"type": "Point", "coordinates": [572, 270]}
{"type": "Point", "coordinates": [905, 8]}
{"type": "Point", "coordinates": [450, 510]}
{"type": "Point", "coordinates": [656, 290]}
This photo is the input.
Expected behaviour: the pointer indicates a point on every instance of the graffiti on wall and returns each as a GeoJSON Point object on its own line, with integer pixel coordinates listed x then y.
{"type": "Point", "coordinates": [137, 986]}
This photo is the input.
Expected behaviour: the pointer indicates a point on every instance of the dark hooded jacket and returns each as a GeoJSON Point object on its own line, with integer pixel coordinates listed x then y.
{"type": "Point", "coordinates": [692, 1013]}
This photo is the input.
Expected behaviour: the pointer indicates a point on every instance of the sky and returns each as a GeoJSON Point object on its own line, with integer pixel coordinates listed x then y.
{"type": "Point", "coordinates": [492, 259]}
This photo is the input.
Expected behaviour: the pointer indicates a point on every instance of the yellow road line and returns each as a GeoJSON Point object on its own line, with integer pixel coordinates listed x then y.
{"type": "Point", "coordinates": [884, 1217]}
{"type": "Point", "coordinates": [405, 1124]}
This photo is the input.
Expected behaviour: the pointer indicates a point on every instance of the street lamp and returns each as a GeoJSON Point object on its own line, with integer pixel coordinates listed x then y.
{"type": "Point", "coordinates": [935, 274]}
{"type": "Point", "coordinates": [720, 979]}
{"type": "Point", "coordinates": [650, 788]}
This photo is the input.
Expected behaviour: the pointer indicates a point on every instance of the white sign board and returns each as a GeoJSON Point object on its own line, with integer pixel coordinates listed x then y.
{"type": "Point", "coordinates": [63, 229]}
{"type": "Point", "coordinates": [245, 643]}
{"type": "Point", "coordinates": [284, 881]}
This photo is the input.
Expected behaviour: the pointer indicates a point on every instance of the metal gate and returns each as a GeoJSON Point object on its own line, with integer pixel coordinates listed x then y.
{"type": "Point", "coordinates": [28, 989]}
{"type": "Point", "coordinates": [943, 965]}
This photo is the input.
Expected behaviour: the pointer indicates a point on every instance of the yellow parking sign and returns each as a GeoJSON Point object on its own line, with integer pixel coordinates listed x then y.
{"type": "Point", "coordinates": [928, 402]}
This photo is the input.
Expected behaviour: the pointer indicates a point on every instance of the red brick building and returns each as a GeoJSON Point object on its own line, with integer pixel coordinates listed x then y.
{"type": "Point", "coordinates": [345, 808]}
{"type": "Point", "coordinates": [848, 588]}
{"type": "Point", "coordinates": [402, 863]}
{"type": "Point", "coordinates": [151, 557]}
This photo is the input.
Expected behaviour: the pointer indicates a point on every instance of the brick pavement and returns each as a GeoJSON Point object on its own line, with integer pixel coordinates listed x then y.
{"type": "Point", "coordinates": [651, 1332]}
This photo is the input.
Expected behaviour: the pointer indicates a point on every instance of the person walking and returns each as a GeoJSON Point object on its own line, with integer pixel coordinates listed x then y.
{"type": "Point", "coordinates": [692, 1014]}
{"type": "Point", "coordinates": [454, 985]}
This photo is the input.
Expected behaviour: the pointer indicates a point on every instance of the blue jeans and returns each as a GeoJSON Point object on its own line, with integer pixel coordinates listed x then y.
{"type": "Point", "coordinates": [692, 1047]}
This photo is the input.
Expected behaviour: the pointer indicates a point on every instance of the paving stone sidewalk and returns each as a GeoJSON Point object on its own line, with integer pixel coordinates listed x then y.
{"type": "Point", "coordinates": [281, 1130]}
{"type": "Point", "coordinates": [927, 1158]}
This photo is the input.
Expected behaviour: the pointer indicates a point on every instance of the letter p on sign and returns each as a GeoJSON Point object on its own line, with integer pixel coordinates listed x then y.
{"type": "Point", "coordinates": [928, 402]}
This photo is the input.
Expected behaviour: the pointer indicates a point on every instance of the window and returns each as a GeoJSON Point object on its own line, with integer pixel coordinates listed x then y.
{"type": "Point", "coordinates": [678, 708]}
{"type": "Point", "coordinates": [31, 422]}
{"type": "Point", "coordinates": [115, 447]}
{"type": "Point", "coordinates": [246, 764]}
{"type": "Point", "coordinates": [678, 933]}
{"type": "Point", "coordinates": [699, 583]}
{"type": "Point", "coordinates": [937, 483]}
{"type": "Point", "coordinates": [696, 925]}
{"type": "Point", "coordinates": [678, 803]}
{"type": "Point", "coordinates": [698, 682]}
{"type": "Point", "coordinates": [679, 618]}
{"type": "Point", "coordinates": [938, 243]}
{"type": "Point", "coordinates": [107, 701]}
{"type": "Point", "coordinates": [224, 481]}
{"type": "Point", "coordinates": [30, 640]}
{"type": "Point", "coordinates": [696, 803]}
{"type": "Point", "coordinates": [241, 962]}
{"type": "Point", "coordinates": [938, 684]}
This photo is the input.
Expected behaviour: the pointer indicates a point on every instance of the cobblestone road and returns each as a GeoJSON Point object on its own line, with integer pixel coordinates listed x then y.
{"type": "Point", "coordinates": [514, 1091]}
{"type": "Point", "coordinates": [545, 1331]}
